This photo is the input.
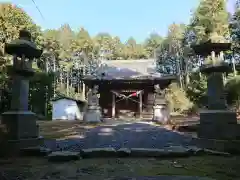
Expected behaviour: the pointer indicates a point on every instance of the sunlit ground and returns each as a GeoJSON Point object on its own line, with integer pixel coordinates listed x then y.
{"type": "Point", "coordinates": [33, 169]}
{"type": "Point", "coordinates": [63, 129]}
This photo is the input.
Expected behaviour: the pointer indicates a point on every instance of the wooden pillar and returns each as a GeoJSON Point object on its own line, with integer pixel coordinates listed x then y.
{"type": "Point", "coordinates": [140, 104]}
{"type": "Point", "coordinates": [113, 105]}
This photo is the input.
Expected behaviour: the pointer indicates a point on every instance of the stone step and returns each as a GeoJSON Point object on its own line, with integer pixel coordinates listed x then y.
{"type": "Point", "coordinates": [63, 156]}
{"type": "Point", "coordinates": [172, 151]}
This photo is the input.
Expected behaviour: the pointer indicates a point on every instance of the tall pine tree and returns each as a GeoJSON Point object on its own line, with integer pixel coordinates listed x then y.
{"type": "Point", "coordinates": [235, 29]}
{"type": "Point", "coordinates": [212, 17]}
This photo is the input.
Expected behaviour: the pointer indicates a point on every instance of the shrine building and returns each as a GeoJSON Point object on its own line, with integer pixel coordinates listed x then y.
{"type": "Point", "coordinates": [126, 87]}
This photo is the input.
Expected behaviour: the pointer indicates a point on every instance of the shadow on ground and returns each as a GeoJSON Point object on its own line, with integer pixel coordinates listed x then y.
{"type": "Point", "coordinates": [74, 136]}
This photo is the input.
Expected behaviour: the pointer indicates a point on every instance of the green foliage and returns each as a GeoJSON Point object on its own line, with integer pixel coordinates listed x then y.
{"type": "Point", "coordinates": [233, 90]}
{"type": "Point", "coordinates": [196, 90]}
{"type": "Point", "coordinates": [41, 85]}
{"type": "Point", "coordinates": [152, 43]}
{"type": "Point", "coordinates": [12, 20]}
{"type": "Point", "coordinates": [177, 99]}
{"type": "Point", "coordinates": [211, 16]}
{"type": "Point", "coordinates": [235, 30]}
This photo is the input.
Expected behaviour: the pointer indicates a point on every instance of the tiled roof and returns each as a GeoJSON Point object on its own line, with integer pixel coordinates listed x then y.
{"type": "Point", "coordinates": [127, 69]}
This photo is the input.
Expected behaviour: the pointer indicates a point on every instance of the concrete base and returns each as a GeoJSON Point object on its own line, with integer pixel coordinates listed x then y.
{"type": "Point", "coordinates": [218, 124]}
{"type": "Point", "coordinates": [160, 114]}
{"type": "Point", "coordinates": [20, 125]}
{"type": "Point", "coordinates": [93, 114]}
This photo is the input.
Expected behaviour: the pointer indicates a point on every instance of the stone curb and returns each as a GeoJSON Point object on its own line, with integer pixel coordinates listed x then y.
{"type": "Point", "coordinates": [163, 177]}
{"type": "Point", "coordinates": [98, 152]}
{"type": "Point", "coordinates": [228, 146]}
{"type": "Point", "coordinates": [172, 152]}
{"type": "Point", "coordinates": [63, 156]}
{"type": "Point", "coordinates": [35, 151]}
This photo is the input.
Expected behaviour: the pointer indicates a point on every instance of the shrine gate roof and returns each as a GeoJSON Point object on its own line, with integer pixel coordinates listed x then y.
{"type": "Point", "coordinates": [127, 69]}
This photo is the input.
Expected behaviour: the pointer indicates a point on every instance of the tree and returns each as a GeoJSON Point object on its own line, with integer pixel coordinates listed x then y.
{"type": "Point", "coordinates": [235, 33]}
{"type": "Point", "coordinates": [52, 50]}
{"type": "Point", "coordinates": [197, 89]}
{"type": "Point", "coordinates": [12, 20]}
{"type": "Point", "coordinates": [117, 48]}
{"type": "Point", "coordinates": [103, 45]}
{"type": "Point", "coordinates": [65, 37]}
{"type": "Point", "coordinates": [211, 16]}
{"type": "Point", "coordinates": [131, 49]}
{"type": "Point", "coordinates": [83, 42]}
{"type": "Point", "coordinates": [152, 43]}
{"type": "Point", "coordinates": [170, 53]}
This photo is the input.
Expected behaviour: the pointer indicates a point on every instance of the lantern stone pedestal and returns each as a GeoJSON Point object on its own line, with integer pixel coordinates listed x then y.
{"type": "Point", "coordinates": [160, 109]}
{"type": "Point", "coordinates": [160, 114]}
{"type": "Point", "coordinates": [217, 122]}
{"type": "Point", "coordinates": [93, 113]}
{"type": "Point", "coordinates": [20, 123]}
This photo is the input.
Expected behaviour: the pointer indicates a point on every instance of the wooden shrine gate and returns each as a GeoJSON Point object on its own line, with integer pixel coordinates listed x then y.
{"type": "Point", "coordinates": [127, 103]}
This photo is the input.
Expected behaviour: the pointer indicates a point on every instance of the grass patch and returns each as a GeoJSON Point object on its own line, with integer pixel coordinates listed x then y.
{"type": "Point", "coordinates": [211, 166]}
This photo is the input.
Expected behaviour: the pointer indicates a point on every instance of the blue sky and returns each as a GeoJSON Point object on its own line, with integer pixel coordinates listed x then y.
{"type": "Point", "coordinates": [123, 18]}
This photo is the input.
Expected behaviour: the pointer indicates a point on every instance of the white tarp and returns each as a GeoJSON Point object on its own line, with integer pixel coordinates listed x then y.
{"type": "Point", "coordinates": [66, 109]}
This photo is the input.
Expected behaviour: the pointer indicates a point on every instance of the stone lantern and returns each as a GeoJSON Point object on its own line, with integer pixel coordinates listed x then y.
{"type": "Point", "coordinates": [22, 130]}
{"type": "Point", "coordinates": [217, 122]}
{"type": "Point", "coordinates": [93, 113]}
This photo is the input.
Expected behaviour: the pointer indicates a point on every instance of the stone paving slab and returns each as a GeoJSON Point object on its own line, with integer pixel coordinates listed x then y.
{"type": "Point", "coordinates": [63, 156]}
{"type": "Point", "coordinates": [164, 178]}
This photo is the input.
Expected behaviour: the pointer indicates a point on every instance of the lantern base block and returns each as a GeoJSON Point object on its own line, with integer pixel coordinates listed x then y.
{"type": "Point", "coordinates": [218, 124]}
{"type": "Point", "coordinates": [160, 114]}
{"type": "Point", "coordinates": [93, 114]}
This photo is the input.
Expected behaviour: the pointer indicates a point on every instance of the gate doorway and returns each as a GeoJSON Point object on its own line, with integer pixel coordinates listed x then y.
{"type": "Point", "coordinates": [127, 104]}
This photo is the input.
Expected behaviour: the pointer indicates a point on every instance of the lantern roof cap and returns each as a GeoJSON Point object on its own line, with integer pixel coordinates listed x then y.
{"type": "Point", "coordinates": [23, 46]}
